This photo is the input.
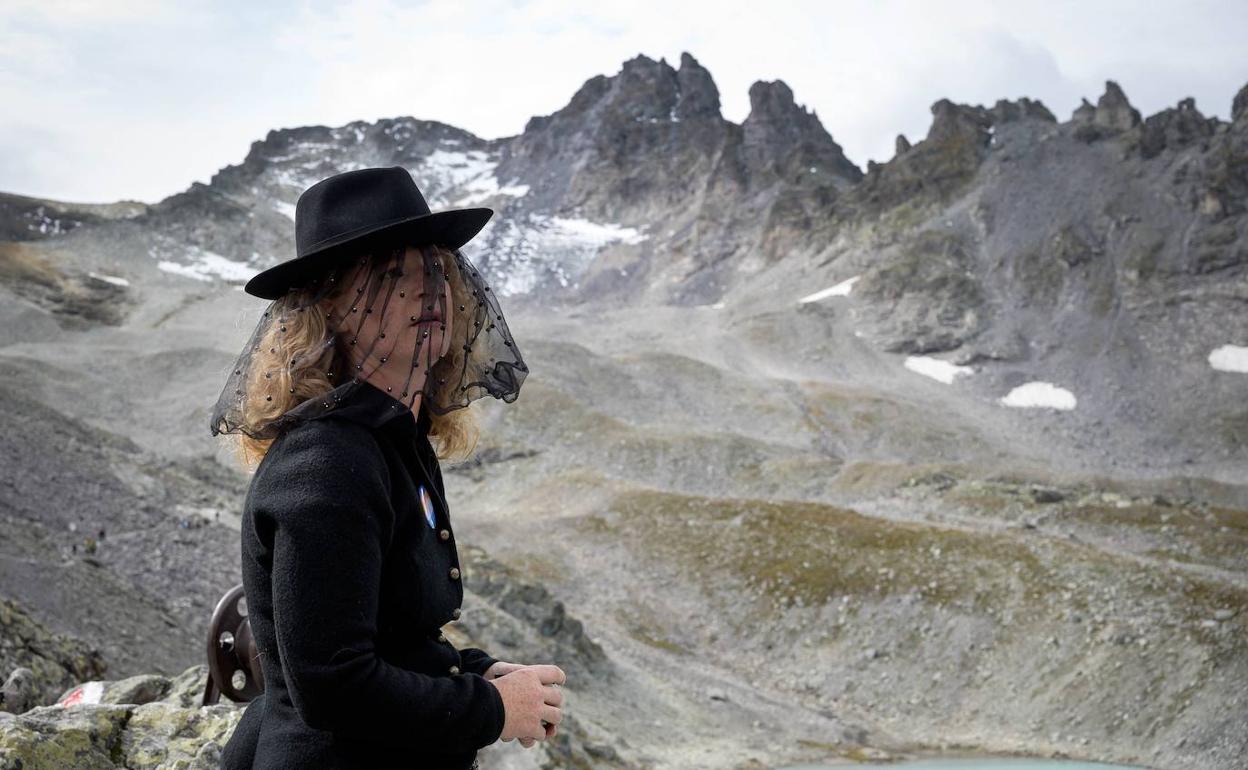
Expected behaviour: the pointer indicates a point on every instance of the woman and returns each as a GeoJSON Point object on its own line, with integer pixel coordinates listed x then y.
{"type": "Point", "coordinates": [380, 332]}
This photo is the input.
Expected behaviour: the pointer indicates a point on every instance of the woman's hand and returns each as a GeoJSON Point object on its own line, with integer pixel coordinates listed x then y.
{"type": "Point", "coordinates": [502, 668]}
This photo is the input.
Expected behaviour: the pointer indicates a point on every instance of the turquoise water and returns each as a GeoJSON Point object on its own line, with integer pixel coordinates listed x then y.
{"type": "Point", "coordinates": [980, 764]}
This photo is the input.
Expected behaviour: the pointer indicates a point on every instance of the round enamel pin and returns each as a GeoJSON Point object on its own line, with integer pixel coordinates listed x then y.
{"type": "Point", "coordinates": [427, 504]}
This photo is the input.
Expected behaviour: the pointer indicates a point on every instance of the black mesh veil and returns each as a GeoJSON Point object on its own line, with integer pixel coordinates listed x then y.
{"type": "Point", "coordinates": [415, 321]}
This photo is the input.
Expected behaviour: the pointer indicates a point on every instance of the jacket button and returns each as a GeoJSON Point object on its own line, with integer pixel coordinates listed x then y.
{"type": "Point", "coordinates": [454, 573]}
{"type": "Point", "coordinates": [445, 534]}
{"type": "Point", "coordinates": [455, 613]}
{"type": "Point", "coordinates": [454, 669]}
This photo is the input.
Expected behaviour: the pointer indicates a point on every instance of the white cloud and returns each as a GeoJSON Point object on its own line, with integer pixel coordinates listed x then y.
{"type": "Point", "coordinates": [88, 12]}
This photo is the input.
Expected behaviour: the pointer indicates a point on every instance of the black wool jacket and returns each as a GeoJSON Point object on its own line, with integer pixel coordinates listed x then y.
{"type": "Point", "coordinates": [350, 570]}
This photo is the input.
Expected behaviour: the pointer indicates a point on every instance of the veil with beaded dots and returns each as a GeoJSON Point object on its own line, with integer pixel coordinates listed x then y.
{"type": "Point", "coordinates": [415, 320]}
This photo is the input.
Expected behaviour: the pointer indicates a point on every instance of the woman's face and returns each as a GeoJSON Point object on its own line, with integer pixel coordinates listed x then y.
{"type": "Point", "coordinates": [419, 316]}
{"type": "Point", "coordinates": [416, 325]}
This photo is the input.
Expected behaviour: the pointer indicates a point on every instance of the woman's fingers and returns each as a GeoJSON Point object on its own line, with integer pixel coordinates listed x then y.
{"type": "Point", "coordinates": [551, 714]}
{"type": "Point", "coordinates": [550, 673]}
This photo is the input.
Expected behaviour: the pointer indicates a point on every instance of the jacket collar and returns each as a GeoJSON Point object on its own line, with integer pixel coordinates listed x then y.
{"type": "Point", "coordinates": [363, 402]}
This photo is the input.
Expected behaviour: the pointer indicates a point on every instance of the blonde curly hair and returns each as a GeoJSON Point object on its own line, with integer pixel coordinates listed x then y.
{"type": "Point", "coordinates": [454, 435]}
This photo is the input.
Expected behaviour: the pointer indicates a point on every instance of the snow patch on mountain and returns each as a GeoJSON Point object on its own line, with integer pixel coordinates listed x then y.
{"type": "Point", "coordinates": [113, 279]}
{"type": "Point", "coordinates": [1040, 394]}
{"type": "Point", "coordinates": [841, 289]}
{"type": "Point", "coordinates": [537, 245]}
{"type": "Point", "coordinates": [470, 174]}
{"type": "Point", "coordinates": [1229, 358]}
{"type": "Point", "coordinates": [282, 207]}
{"type": "Point", "coordinates": [937, 369]}
{"type": "Point", "coordinates": [301, 175]}
{"type": "Point", "coordinates": [202, 265]}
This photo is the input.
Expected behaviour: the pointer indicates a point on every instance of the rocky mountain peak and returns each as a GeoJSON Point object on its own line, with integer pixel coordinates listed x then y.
{"type": "Point", "coordinates": [699, 96]}
{"type": "Point", "coordinates": [1172, 128]}
{"type": "Point", "coordinates": [1112, 114]}
{"type": "Point", "coordinates": [1239, 106]}
{"type": "Point", "coordinates": [772, 100]}
{"type": "Point", "coordinates": [965, 121]}
{"type": "Point", "coordinates": [783, 136]}
{"type": "Point", "coordinates": [1175, 127]}
{"type": "Point", "coordinates": [644, 90]}
{"type": "Point", "coordinates": [957, 142]}
{"type": "Point", "coordinates": [958, 121]}
{"type": "Point", "coordinates": [1114, 111]}
{"type": "Point", "coordinates": [1006, 110]}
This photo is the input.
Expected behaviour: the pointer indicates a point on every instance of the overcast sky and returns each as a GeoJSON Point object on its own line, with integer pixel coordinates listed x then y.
{"type": "Point", "coordinates": [105, 100]}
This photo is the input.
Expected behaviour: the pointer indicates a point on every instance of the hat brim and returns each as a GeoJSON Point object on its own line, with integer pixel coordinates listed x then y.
{"type": "Point", "coordinates": [452, 229]}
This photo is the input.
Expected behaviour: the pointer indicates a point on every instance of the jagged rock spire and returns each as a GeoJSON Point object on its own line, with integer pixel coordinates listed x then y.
{"type": "Point", "coordinates": [1112, 114]}
{"type": "Point", "coordinates": [1239, 106]}
{"type": "Point", "coordinates": [779, 134]}
{"type": "Point", "coordinates": [1113, 111]}
{"type": "Point", "coordinates": [699, 98]}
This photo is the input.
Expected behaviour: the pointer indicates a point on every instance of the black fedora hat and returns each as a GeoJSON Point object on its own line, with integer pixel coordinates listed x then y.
{"type": "Point", "coordinates": [347, 212]}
